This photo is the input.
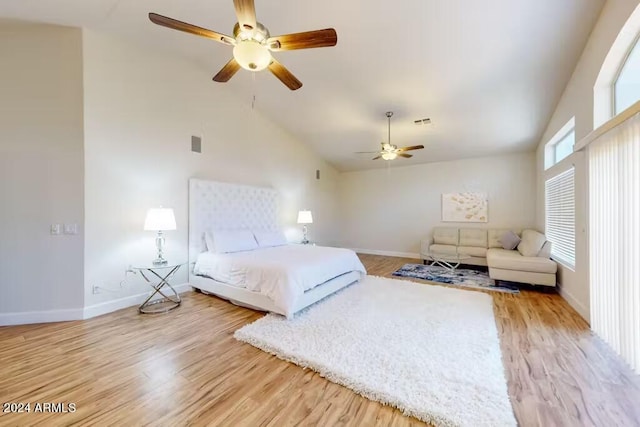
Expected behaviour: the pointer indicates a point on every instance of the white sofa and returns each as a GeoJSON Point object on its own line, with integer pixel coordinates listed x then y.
{"type": "Point", "coordinates": [484, 247]}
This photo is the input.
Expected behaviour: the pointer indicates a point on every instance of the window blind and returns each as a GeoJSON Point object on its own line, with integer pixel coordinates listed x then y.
{"type": "Point", "coordinates": [614, 238]}
{"type": "Point", "coordinates": [560, 226]}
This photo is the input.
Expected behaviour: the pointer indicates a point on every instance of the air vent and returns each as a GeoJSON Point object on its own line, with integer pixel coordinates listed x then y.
{"type": "Point", "coordinates": [422, 121]}
{"type": "Point", "coordinates": [196, 144]}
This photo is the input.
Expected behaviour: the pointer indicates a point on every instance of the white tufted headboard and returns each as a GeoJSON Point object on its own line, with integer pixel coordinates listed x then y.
{"type": "Point", "coordinates": [222, 206]}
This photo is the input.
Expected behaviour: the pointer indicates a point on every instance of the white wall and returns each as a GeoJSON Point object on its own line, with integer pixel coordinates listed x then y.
{"type": "Point", "coordinates": [390, 210]}
{"type": "Point", "coordinates": [577, 100]}
{"type": "Point", "coordinates": [41, 171]}
{"type": "Point", "coordinates": [141, 108]}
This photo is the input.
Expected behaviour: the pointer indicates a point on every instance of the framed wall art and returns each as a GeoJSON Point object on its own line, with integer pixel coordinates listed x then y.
{"type": "Point", "coordinates": [465, 207]}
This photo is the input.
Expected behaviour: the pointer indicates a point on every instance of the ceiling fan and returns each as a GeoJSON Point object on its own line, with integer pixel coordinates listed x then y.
{"type": "Point", "coordinates": [252, 43]}
{"type": "Point", "coordinates": [390, 151]}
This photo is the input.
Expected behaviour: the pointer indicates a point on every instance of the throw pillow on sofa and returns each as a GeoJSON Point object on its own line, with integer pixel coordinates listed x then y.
{"type": "Point", "coordinates": [531, 243]}
{"type": "Point", "coordinates": [509, 240]}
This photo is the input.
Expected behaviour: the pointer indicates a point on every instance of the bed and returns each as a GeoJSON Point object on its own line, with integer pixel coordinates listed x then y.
{"type": "Point", "coordinates": [272, 276]}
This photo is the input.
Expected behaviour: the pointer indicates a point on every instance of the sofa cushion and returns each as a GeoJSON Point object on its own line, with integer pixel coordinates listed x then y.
{"type": "Point", "coordinates": [444, 249]}
{"type": "Point", "coordinates": [473, 251]}
{"type": "Point", "coordinates": [512, 260]}
{"type": "Point", "coordinates": [531, 243]}
{"type": "Point", "coordinates": [445, 236]}
{"type": "Point", "coordinates": [494, 235]}
{"type": "Point", "coordinates": [473, 237]}
{"type": "Point", "coordinates": [510, 240]}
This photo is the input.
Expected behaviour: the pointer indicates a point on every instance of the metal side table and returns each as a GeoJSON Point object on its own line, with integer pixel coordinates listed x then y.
{"type": "Point", "coordinates": [448, 261]}
{"type": "Point", "coordinates": [163, 273]}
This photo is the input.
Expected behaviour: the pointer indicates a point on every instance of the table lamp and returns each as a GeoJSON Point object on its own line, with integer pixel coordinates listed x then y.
{"type": "Point", "coordinates": [304, 217]}
{"type": "Point", "coordinates": [160, 219]}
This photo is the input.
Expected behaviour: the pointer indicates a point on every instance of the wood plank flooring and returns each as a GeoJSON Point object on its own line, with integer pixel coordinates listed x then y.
{"type": "Point", "coordinates": [184, 367]}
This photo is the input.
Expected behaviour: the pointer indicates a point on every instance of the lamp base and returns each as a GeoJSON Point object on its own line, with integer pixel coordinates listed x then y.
{"type": "Point", "coordinates": [159, 245]}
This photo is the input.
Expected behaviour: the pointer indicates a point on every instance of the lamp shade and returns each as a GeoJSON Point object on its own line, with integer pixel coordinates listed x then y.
{"type": "Point", "coordinates": [160, 219]}
{"type": "Point", "coordinates": [304, 217]}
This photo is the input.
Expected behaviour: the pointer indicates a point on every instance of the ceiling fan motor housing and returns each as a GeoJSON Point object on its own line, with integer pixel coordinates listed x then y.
{"type": "Point", "coordinates": [260, 33]}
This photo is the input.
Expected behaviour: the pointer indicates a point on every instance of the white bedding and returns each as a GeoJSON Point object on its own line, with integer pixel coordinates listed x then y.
{"type": "Point", "coordinates": [282, 273]}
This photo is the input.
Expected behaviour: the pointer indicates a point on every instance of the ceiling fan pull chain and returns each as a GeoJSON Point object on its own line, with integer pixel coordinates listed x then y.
{"type": "Point", "coordinates": [253, 88]}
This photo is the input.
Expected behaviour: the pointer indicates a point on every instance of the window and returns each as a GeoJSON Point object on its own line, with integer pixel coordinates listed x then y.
{"type": "Point", "coordinates": [627, 85]}
{"type": "Point", "coordinates": [561, 145]}
{"type": "Point", "coordinates": [618, 84]}
{"type": "Point", "coordinates": [564, 147]}
{"type": "Point", "coordinates": [560, 224]}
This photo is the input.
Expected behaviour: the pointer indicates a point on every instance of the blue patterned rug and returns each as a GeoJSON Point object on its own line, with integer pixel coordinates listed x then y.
{"type": "Point", "coordinates": [459, 277]}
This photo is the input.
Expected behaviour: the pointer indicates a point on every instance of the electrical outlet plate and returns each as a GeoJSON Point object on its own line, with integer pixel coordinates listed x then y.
{"type": "Point", "coordinates": [55, 229]}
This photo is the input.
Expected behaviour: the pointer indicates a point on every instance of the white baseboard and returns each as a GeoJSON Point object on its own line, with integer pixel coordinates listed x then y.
{"type": "Point", "coordinates": [27, 317]}
{"type": "Point", "coordinates": [413, 255]}
{"type": "Point", "coordinates": [120, 303]}
{"type": "Point", "coordinates": [24, 318]}
{"type": "Point", "coordinates": [577, 305]}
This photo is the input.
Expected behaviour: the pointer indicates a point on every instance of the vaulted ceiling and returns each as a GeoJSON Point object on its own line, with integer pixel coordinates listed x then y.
{"type": "Point", "coordinates": [487, 72]}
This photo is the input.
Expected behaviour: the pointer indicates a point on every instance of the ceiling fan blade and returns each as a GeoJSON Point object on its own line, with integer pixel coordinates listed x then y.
{"type": "Point", "coordinates": [191, 29]}
{"type": "Point", "coordinates": [413, 147]}
{"type": "Point", "coordinates": [310, 39]}
{"type": "Point", "coordinates": [406, 156]}
{"type": "Point", "coordinates": [246, 13]}
{"type": "Point", "coordinates": [284, 75]}
{"type": "Point", "coordinates": [227, 71]}
{"type": "Point", "coordinates": [376, 158]}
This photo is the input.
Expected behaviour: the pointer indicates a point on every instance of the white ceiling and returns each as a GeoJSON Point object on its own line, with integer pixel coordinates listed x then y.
{"type": "Point", "coordinates": [488, 73]}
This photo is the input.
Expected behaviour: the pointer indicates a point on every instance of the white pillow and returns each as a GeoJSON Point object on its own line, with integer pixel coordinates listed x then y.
{"type": "Point", "coordinates": [531, 243]}
{"type": "Point", "coordinates": [227, 241]}
{"type": "Point", "coordinates": [270, 238]}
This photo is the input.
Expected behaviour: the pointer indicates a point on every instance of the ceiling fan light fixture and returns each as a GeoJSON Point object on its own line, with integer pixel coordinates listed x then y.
{"type": "Point", "coordinates": [389, 156]}
{"type": "Point", "coordinates": [252, 55]}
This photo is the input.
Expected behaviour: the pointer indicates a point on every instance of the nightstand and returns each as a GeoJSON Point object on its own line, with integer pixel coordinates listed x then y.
{"type": "Point", "coordinates": [163, 273]}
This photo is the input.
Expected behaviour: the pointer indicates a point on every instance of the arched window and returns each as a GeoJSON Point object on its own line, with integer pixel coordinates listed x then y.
{"type": "Point", "coordinates": [627, 85]}
{"type": "Point", "coordinates": [618, 84]}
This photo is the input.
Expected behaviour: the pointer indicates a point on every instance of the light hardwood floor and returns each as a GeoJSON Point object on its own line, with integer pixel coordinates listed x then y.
{"type": "Point", "coordinates": [184, 367]}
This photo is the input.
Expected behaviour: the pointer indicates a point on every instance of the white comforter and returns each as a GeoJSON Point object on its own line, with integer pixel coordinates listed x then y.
{"type": "Point", "coordinates": [282, 273]}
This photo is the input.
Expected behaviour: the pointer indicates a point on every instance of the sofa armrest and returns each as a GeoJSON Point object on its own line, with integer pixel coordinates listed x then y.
{"type": "Point", "coordinates": [425, 244]}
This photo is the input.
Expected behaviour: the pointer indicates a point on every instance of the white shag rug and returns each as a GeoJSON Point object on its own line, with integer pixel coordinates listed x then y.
{"type": "Point", "coordinates": [433, 352]}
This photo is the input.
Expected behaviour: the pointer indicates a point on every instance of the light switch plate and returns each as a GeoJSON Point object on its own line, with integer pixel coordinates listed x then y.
{"type": "Point", "coordinates": [55, 229]}
{"type": "Point", "coordinates": [71, 229]}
